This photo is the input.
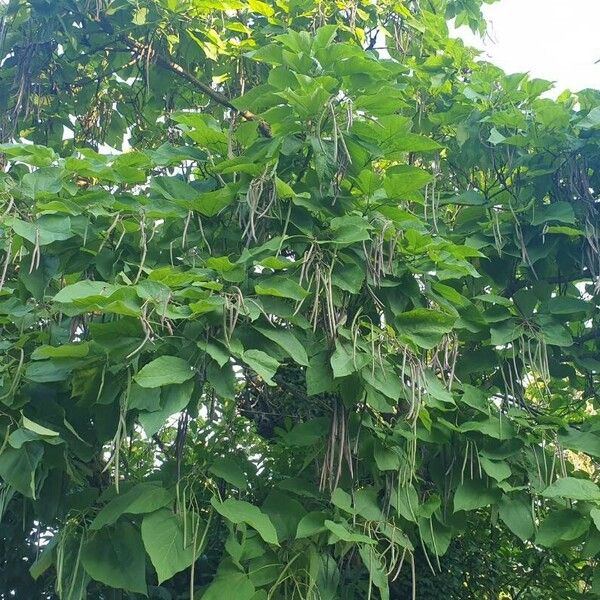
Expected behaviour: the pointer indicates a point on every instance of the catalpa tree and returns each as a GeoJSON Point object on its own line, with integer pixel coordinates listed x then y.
{"type": "Point", "coordinates": [299, 300]}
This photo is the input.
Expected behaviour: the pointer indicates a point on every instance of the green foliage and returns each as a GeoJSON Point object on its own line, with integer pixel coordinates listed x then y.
{"type": "Point", "coordinates": [327, 330]}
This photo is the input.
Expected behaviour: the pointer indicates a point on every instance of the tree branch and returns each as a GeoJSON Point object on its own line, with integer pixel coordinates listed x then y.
{"type": "Point", "coordinates": [143, 50]}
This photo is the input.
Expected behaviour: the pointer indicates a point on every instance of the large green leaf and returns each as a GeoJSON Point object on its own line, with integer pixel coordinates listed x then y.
{"type": "Point", "coordinates": [349, 230]}
{"type": "Point", "coordinates": [561, 525]}
{"type": "Point", "coordinates": [573, 489]}
{"type": "Point", "coordinates": [143, 398]}
{"type": "Point", "coordinates": [163, 537]}
{"type": "Point", "coordinates": [280, 287]}
{"type": "Point", "coordinates": [475, 398]}
{"type": "Point", "coordinates": [557, 211]}
{"type": "Point", "coordinates": [341, 532]}
{"type": "Point", "coordinates": [239, 511]}
{"type": "Point", "coordinates": [79, 350]}
{"type": "Point", "coordinates": [115, 556]}
{"type": "Point", "coordinates": [164, 370]}
{"type": "Point", "coordinates": [288, 341]}
{"type": "Point", "coordinates": [405, 179]}
{"type": "Point", "coordinates": [345, 361]}
{"type": "Point", "coordinates": [174, 398]}
{"type": "Point", "coordinates": [230, 584]}
{"type": "Point", "coordinates": [262, 363]}
{"type": "Point", "coordinates": [581, 440]}
{"type": "Point", "coordinates": [32, 154]}
{"type": "Point", "coordinates": [436, 535]}
{"type": "Point", "coordinates": [494, 426]}
{"type": "Point", "coordinates": [143, 498]}
{"type": "Point", "coordinates": [497, 469]}
{"type": "Point", "coordinates": [18, 467]}
{"type": "Point", "coordinates": [45, 230]}
{"type": "Point", "coordinates": [425, 327]}
{"type": "Point", "coordinates": [517, 514]}
{"type": "Point", "coordinates": [228, 469]}
{"type": "Point", "coordinates": [42, 182]}
{"type": "Point", "coordinates": [473, 494]}
{"type": "Point", "coordinates": [319, 376]}
{"type": "Point", "coordinates": [307, 433]}
{"type": "Point", "coordinates": [311, 524]}
{"type": "Point", "coordinates": [84, 290]}
{"type": "Point", "coordinates": [383, 379]}
{"type": "Point", "coordinates": [174, 188]}
{"type": "Point", "coordinates": [210, 204]}
{"type": "Point", "coordinates": [285, 513]}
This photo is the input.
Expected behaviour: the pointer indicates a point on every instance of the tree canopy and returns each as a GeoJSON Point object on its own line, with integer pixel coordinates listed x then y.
{"type": "Point", "coordinates": [298, 300]}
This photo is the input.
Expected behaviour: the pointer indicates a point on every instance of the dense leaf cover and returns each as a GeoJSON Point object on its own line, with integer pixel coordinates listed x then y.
{"type": "Point", "coordinates": [325, 328]}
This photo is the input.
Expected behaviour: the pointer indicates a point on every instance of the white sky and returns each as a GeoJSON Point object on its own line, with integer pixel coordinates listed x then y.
{"type": "Point", "coordinates": [558, 40]}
